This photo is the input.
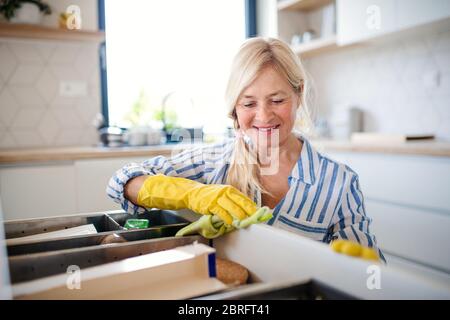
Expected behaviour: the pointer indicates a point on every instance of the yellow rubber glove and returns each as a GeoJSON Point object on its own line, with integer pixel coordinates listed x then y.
{"type": "Point", "coordinates": [354, 249]}
{"type": "Point", "coordinates": [174, 193]}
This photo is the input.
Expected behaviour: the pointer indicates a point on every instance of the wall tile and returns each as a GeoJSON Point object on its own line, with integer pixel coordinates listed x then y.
{"type": "Point", "coordinates": [26, 138]}
{"type": "Point", "coordinates": [27, 96]}
{"type": "Point", "coordinates": [27, 118]}
{"type": "Point", "coordinates": [47, 85]}
{"type": "Point", "coordinates": [49, 128]}
{"type": "Point", "coordinates": [26, 52]}
{"type": "Point", "coordinates": [8, 106]}
{"type": "Point", "coordinates": [25, 74]}
{"type": "Point", "coordinates": [69, 137]}
{"type": "Point", "coordinates": [86, 109]}
{"type": "Point", "coordinates": [7, 61]}
{"type": "Point", "coordinates": [32, 111]}
{"type": "Point", "coordinates": [65, 53]}
{"type": "Point", "coordinates": [45, 50]}
{"type": "Point", "coordinates": [67, 117]}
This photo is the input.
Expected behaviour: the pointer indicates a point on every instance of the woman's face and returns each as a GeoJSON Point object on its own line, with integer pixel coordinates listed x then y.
{"type": "Point", "coordinates": [266, 109]}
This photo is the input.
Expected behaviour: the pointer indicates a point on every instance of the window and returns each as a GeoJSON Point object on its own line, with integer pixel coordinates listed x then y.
{"type": "Point", "coordinates": [174, 53]}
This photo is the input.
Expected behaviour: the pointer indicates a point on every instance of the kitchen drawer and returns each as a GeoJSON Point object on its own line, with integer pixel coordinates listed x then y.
{"type": "Point", "coordinates": [414, 234]}
{"type": "Point", "coordinates": [37, 191]}
{"type": "Point", "coordinates": [410, 180]}
{"type": "Point", "coordinates": [91, 179]}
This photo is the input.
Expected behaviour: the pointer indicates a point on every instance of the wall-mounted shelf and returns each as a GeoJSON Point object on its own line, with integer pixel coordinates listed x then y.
{"type": "Point", "coordinates": [27, 31]}
{"type": "Point", "coordinates": [316, 46]}
{"type": "Point", "coordinates": [302, 5]}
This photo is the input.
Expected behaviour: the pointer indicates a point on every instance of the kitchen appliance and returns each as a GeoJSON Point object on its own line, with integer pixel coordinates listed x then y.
{"type": "Point", "coordinates": [112, 136]}
{"type": "Point", "coordinates": [344, 121]}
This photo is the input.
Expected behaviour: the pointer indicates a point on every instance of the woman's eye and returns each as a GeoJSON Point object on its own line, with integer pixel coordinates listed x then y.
{"type": "Point", "coordinates": [278, 101]}
{"type": "Point", "coordinates": [248, 105]}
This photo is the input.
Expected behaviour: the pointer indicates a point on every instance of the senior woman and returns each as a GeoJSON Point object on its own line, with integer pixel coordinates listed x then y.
{"type": "Point", "coordinates": [269, 163]}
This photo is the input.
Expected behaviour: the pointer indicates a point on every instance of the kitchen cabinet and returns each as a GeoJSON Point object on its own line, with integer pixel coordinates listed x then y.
{"type": "Point", "coordinates": [91, 179]}
{"type": "Point", "coordinates": [38, 190]}
{"type": "Point", "coordinates": [58, 188]}
{"type": "Point", "coordinates": [359, 20]}
{"type": "Point", "coordinates": [412, 233]}
{"type": "Point", "coordinates": [411, 13]}
{"type": "Point", "coordinates": [407, 197]}
{"type": "Point", "coordinates": [295, 17]}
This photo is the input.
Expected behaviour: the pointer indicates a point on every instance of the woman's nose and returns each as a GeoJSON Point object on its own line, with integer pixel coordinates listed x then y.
{"type": "Point", "coordinates": [264, 114]}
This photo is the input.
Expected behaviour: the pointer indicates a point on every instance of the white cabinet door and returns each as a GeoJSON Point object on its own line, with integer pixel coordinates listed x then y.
{"type": "Point", "coordinates": [37, 191]}
{"type": "Point", "coordinates": [418, 181]}
{"type": "Point", "coordinates": [418, 235]}
{"type": "Point", "coordinates": [357, 20]}
{"type": "Point", "coordinates": [407, 198]}
{"type": "Point", "coordinates": [412, 13]}
{"type": "Point", "coordinates": [92, 177]}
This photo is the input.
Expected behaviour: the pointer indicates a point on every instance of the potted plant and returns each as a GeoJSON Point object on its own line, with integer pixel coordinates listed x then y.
{"type": "Point", "coordinates": [24, 11]}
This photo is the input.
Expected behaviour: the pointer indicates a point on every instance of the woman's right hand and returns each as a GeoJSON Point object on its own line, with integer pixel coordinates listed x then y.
{"type": "Point", "coordinates": [176, 193]}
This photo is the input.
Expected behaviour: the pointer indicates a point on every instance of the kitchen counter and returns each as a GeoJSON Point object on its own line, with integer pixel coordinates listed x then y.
{"type": "Point", "coordinates": [424, 148]}
{"type": "Point", "coordinates": [77, 153]}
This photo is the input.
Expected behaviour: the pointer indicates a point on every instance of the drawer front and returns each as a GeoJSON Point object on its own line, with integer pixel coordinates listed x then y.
{"type": "Point", "coordinates": [422, 236]}
{"type": "Point", "coordinates": [411, 180]}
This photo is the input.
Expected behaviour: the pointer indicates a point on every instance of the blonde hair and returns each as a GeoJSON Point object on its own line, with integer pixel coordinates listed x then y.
{"type": "Point", "coordinates": [254, 55]}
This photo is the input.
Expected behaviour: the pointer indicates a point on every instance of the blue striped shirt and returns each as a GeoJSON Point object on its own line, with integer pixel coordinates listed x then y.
{"type": "Point", "coordinates": [324, 201]}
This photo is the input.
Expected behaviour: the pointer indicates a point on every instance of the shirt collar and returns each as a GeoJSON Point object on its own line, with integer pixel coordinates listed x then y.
{"type": "Point", "coordinates": [307, 167]}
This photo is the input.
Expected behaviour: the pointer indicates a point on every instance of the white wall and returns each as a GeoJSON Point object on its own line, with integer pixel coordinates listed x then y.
{"type": "Point", "coordinates": [388, 81]}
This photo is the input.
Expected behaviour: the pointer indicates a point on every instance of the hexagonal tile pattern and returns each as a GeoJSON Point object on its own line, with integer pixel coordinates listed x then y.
{"type": "Point", "coordinates": [7, 61]}
{"type": "Point", "coordinates": [26, 52]}
{"type": "Point", "coordinates": [49, 128]}
{"type": "Point", "coordinates": [69, 137]}
{"type": "Point", "coordinates": [67, 117]}
{"type": "Point", "coordinates": [45, 50]}
{"type": "Point", "coordinates": [87, 108]}
{"type": "Point", "coordinates": [47, 85]}
{"type": "Point", "coordinates": [27, 118]}
{"type": "Point", "coordinates": [65, 53]}
{"type": "Point", "coordinates": [86, 60]}
{"type": "Point", "coordinates": [27, 96]}
{"type": "Point", "coordinates": [33, 112]}
{"type": "Point", "coordinates": [26, 74]}
{"type": "Point", "coordinates": [27, 138]}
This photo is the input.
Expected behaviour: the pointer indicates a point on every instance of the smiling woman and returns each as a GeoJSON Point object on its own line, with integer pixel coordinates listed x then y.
{"type": "Point", "coordinates": [157, 48]}
{"type": "Point", "coordinates": [310, 194]}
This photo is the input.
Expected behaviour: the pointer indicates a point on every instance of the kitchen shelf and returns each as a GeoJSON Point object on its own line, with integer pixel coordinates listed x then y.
{"type": "Point", "coordinates": [28, 31]}
{"type": "Point", "coordinates": [316, 46]}
{"type": "Point", "coordinates": [302, 5]}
